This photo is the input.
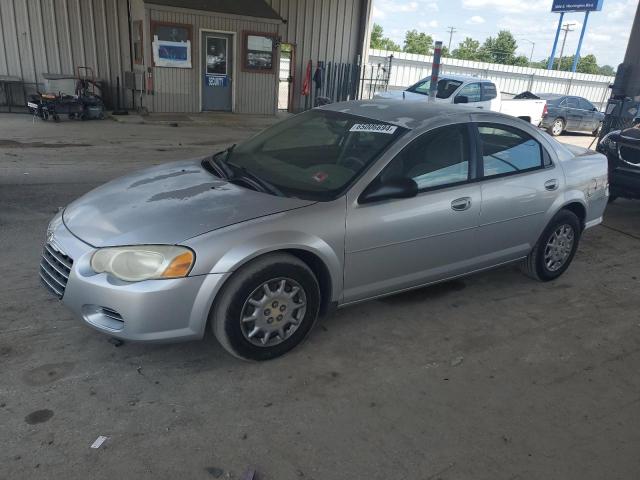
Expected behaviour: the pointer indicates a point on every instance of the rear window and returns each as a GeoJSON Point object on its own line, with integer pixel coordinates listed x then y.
{"type": "Point", "coordinates": [489, 92]}
{"type": "Point", "coordinates": [551, 98]}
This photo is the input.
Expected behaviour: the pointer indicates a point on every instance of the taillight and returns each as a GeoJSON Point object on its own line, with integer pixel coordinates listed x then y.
{"type": "Point", "coordinates": [545, 110]}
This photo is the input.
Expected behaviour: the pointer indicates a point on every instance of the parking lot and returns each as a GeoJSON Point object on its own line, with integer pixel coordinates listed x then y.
{"type": "Point", "coordinates": [494, 376]}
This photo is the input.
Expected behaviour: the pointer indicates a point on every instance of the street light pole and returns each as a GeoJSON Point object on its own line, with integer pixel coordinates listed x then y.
{"type": "Point", "coordinates": [533, 46]}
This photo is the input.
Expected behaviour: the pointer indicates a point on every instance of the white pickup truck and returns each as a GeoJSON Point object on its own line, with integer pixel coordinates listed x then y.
{"type": "Point", "coordinates": [472, 92]}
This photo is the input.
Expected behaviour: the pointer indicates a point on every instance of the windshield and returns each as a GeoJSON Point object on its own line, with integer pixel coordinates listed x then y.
{"type": "Point", "coordinates": [446, 87]}
{"type": "Point", "coordinates": [314, 155]}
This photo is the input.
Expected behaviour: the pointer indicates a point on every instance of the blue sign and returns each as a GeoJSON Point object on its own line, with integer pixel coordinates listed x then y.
{"type": "Point", "coordinates": [217, 80]}
{"type": "Point", "coordinates": [577, 5]}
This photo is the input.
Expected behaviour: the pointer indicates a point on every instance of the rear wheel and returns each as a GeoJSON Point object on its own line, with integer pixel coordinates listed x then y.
{"type": "Point", "coordinates": [266, 308]}
{"type": "Point", "coordinates": [555, 249]}
{"type": "Point", "coordinates": [557, 127]}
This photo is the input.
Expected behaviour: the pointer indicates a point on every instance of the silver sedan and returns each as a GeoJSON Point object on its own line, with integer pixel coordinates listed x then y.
{"type": "Point", "coordinates": [334, 206]}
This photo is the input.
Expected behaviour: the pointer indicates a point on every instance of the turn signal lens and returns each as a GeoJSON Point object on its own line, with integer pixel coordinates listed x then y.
{"type": "Point", "coordinates": [179, 266]}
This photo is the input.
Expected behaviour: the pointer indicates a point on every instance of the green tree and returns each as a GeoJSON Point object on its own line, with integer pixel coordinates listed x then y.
{"type": "Point", "coordinates": [418, 42]}
{"type": "Point", "coordinates": [380, 42]}
{"type": "Point", "coordinates": [501, 49]}
{"type": "Point", "coordinates": [468, 49]}
{"type": "Point", "coordinates": [586, 64]}
{"type": "Point", "coordinates": [521, 61]}
{"type": "Point", "coordinates": [607, 70]}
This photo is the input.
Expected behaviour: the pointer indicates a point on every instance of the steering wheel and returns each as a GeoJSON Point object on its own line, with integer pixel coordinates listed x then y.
{"type": "Point", "coordinates": [352, 161]}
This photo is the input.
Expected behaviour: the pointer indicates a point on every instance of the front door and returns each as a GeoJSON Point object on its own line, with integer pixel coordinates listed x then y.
{"type": "Point", "coordinates": [217, 71]}
{"type": "Point", "coordinates": [398, 244]}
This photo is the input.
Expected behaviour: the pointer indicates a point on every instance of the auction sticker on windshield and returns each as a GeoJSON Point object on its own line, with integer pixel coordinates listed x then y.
{"type": "Point", "coordinates": [374, 128]}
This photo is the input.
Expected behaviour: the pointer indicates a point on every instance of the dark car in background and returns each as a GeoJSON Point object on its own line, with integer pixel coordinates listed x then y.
{"type": "Point", "coordinates": [570, 113]}
{"type": "Point", "coordinates": [622, 149]}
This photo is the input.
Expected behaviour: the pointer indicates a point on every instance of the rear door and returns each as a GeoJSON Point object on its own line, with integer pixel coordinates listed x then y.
{"type": "Point", "coordinates": [519, 183]}
{"type": "Point", "coordinates": [490, 96]}
{"type": "Point", "coordinates": [574, 114]}
{"type": "Point", "coordinates": [589, 122]}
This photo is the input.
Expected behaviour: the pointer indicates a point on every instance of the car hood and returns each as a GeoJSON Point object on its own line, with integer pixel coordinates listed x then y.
{"type": "Point", "coordinates": [167, 205]}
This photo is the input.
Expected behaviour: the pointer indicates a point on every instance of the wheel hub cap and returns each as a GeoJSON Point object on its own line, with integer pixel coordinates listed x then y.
{"type": "Point", "coordinates": [273, 312]}
{"type": "Point", "coordinates": [559, 248]}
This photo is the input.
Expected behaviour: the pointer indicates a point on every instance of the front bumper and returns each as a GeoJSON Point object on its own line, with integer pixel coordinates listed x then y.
{"type": "Point", "coordinates": [152, 310]}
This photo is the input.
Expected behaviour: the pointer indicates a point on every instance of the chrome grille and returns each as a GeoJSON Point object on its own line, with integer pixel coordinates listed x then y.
{"type": "Point", "coordinates": [55, 268]}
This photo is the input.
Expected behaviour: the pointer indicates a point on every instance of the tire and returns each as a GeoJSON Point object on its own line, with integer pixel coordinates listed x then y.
{"type": "Point", "coordinates": [556, 127]}
{"type": "Point", "coordinates": [230, 317]}
{"type": "Point", "coordinates": [537, 264]}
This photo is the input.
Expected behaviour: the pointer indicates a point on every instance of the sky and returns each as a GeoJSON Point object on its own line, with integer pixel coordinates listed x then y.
{"type": "Point", "coordinates": [528, 20]}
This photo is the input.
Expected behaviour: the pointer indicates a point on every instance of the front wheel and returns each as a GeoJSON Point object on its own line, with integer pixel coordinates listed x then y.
{"type": "Point", "coordinates": [266, 308]}
{"type": "Point", "coordinates": [555, 249]}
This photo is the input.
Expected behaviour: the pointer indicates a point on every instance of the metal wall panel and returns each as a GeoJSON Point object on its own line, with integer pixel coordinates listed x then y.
{"type": "Point", "coordinates": [56, 36]}
{"type": "Point", "coordinates": [321, 30]}
{"type": "Point", "coordinates": [408, 68]}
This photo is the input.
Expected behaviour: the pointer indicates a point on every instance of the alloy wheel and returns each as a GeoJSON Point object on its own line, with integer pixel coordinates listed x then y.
{"type": "Point", "coordinates": [273, 312]}
{"type": "Point", "coordinates": [559, 247]}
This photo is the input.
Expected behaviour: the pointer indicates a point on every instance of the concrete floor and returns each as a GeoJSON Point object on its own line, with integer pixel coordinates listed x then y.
{"type": "Point", "coordinates": [491, 377]}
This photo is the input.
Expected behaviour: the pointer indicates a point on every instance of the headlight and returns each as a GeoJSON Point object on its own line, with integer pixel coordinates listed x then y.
{"type": "Point", "coordinates": [144, 262]}
{"type": "Point", "coordinates": [608, 144]}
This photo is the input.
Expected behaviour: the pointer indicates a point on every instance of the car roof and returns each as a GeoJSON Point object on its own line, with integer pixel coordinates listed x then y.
{"type": "Point", "coordinates": [549, 96]}
{"type": "Point", "coordinates": [407, 114]}
{"type": "Point", "coordinates": [462, 78]}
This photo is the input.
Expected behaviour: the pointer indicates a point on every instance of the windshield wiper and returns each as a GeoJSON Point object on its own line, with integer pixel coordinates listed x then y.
{"type": "Point", "coordinates": [264, 185]}
{"type": "Point", "coordinates": [221, 164]}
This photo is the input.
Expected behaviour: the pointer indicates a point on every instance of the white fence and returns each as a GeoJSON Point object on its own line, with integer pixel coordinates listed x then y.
{"type": "Point", "coordinates": [408, 68]}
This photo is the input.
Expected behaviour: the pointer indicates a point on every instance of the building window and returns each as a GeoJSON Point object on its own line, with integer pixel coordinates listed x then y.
{"type": "Point", "coordinates": [137, 42]}
{"type": "Point", "coordinates": [259, 52]}
{"type": "Point", "coordinates": [171, 44]}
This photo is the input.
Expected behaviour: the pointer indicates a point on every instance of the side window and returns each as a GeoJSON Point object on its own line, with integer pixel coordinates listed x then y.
{"type": "Point", "coordinates": [572, 102]}
{"type": "Point", "coordinates": [585, 105]}
{"type": "Point", "coordinates": [437, 158]}
{"type": "Point", "coordinates": [489, 92]}
{"type": "Point", "coordinates": [472, 92]}
{"type": "Point", "coordinates": [508, 150]}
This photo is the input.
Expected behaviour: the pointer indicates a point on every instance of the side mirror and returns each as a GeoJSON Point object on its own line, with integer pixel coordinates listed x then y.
{"type": "Point", "coordinates": [594, 109]}
{"type": "Point", "coordinates": [461, 99]}
{"type": "Point", "coordinates": [393, 188]}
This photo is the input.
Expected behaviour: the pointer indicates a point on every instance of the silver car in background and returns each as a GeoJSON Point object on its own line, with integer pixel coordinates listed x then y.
{"type": "Point", "coordinates": [331, 207]}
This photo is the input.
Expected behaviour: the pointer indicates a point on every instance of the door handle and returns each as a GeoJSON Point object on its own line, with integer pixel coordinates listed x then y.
{"type": "Point", "coordinates": [551, 185]}
{"type": "Point", "coordinates": [461, 204]}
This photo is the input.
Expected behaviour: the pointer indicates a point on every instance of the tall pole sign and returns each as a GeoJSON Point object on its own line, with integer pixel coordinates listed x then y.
{"type": "Point", "coordinates": [564, 6]}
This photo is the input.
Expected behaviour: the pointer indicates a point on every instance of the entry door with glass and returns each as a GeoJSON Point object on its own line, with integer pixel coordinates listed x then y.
{"type": "Point", "coordinates": [217, 71]}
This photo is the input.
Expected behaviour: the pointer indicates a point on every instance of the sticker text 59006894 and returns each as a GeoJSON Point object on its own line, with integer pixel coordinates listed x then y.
{"type": "Point", "coordinates": [374, 128]}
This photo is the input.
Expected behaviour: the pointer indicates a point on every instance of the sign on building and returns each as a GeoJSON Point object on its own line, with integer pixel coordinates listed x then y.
{"type": "Point", "coordinates": [576, 5]}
